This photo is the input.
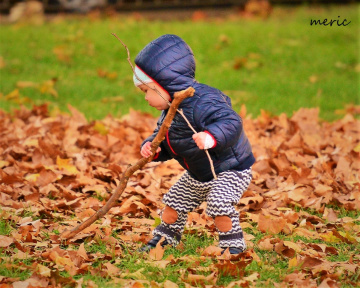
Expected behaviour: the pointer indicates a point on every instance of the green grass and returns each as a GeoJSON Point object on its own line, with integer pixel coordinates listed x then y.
{"type": "Point", "coordinates": [13, 272]}
{"type": "Point", "coordinates": [5, 227]}
{"type": "Point", "coordinates": [282, 53]}
{"type": "Point", "coordinates": [14, 268]}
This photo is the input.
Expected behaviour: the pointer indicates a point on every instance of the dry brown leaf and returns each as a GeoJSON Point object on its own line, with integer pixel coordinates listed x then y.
{"type": "Point", "coordinates": [82, 252]}
{"type": "Point", "coordinates": [169, 284]}
{"type": "Point", "coordinates": [111, 269]}
{"type": "Point", "coordinates": [196, 279]}
{"type": "Point", "coordinates": [5, 241]}
{"type": "Point", "coordinates": [271, 224]}
{"type": "Point", "coordinates": [212, 251]}
{"type": "Point", "coordinates": [157, 253]}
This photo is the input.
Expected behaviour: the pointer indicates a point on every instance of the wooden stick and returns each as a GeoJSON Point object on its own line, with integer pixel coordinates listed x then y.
{"type": "Point", "coordinates": [160, 136]}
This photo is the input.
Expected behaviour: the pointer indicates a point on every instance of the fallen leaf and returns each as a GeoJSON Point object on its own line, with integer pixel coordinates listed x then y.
{"type": "Point", "coordinates": [43, 270]}
{"type": "Point", "coordinates": [111, 269]}
{"type": "Point", "coordinates": [5, 241]}
{"type": "Point", "coordinates": [157, 253]}
{"type": "Point", "coordinates": [169, 284]}
{"type": "Point", "coordinates": [271, 224]}
{"type": "Point", "coordinates": [212, 251]}
{"type": "Point", "coordinates": [82, 252]}
{"type": "Point", "coordinates": [65, 165]}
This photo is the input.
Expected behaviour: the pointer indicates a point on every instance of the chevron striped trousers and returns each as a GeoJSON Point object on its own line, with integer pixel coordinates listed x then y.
{"type": "Point", "coordinates": [221, 195]}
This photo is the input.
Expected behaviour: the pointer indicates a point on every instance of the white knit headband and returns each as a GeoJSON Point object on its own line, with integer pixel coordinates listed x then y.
{"type": "Point", "coordinates": [142, 76]}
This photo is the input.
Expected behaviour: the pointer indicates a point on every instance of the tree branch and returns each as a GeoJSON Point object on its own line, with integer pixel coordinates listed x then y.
{"type": "Point", "coordinates": [160, 136]}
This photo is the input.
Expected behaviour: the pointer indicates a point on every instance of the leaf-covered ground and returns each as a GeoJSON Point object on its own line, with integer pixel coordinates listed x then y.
{"type": "Point", "coordinates": [301, 210]}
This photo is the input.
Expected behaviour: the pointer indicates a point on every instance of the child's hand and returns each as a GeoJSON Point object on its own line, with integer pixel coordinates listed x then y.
{"type": "Point", "coordinates": [146, 150]}
{"type": "Point", "coordinates": [199, 139]}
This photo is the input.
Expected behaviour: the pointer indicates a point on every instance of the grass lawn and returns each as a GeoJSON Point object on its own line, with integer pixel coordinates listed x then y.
{"type": "Point", "coordinates": [278, 64]}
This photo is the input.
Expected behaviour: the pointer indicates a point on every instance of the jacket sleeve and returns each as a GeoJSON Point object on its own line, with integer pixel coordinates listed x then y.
{"type": "Point", "coordinates": [162, 155]}
{"type": "Point", "coordinates": [216, 116]}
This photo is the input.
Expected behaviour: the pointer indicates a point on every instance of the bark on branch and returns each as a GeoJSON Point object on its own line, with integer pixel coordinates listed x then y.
{"type": "Point", "coordinates": [178, 98]}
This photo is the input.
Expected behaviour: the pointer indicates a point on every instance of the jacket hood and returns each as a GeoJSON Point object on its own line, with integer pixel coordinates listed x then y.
{"type": "Point", "coordinates": [169, 61]}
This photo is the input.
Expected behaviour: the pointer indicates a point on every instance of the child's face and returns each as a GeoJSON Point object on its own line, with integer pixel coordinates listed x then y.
{"type": "Point", "coordinates": [153, 98]}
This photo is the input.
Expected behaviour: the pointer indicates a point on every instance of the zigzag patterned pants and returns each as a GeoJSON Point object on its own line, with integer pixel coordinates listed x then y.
{"type": "Point", "coordinates": [221, 195]}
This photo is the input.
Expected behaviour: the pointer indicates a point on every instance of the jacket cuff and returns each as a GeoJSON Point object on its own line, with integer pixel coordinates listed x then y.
{"type": "Point", "coordinates": [156, 156]}
{"type": "Point", "coordinates": [207, 132]}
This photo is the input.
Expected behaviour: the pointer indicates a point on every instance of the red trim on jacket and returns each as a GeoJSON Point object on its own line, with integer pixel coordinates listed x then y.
{"type": "Point", "coordinates": [186, 164]}
{"type": "Point", "coordinates": [207, 132]}
{"type": "Point", "coordinates": [168, 141]}
{"type": "Point", "coordinates": [156, 156]}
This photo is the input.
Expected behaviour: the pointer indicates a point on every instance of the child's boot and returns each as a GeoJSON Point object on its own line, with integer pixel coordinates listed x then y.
{"type": "Point", "coordinates": [152, 244]}
{"type": "Point", "coordinates": [232, 250]}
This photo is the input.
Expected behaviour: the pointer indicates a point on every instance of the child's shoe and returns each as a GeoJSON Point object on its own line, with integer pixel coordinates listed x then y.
{"type": "Point", "coordinates": [232, 250]}
{"type": "Point", "coordinates": [152, 244]}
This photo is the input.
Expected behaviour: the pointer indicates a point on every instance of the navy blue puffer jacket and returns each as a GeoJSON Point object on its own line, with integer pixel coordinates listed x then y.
{"type": "Point", "coordinates": [170, 62]}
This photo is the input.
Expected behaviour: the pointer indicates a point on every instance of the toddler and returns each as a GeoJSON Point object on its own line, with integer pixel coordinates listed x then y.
{"type": "Point", "coordinates": [167, 65]}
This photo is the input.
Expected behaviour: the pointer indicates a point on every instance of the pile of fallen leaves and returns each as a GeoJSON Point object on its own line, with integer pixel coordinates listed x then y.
{"type": "Point", "coordinates": [61, 169]}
